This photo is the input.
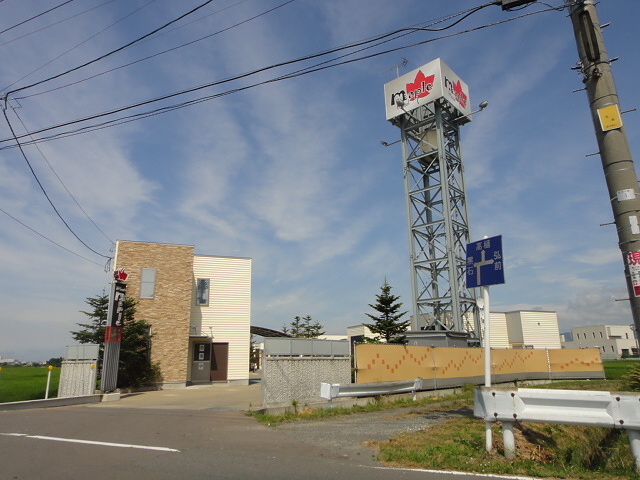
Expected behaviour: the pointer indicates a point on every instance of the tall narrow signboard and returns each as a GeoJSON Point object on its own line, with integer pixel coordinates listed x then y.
{"type": "Point", "coordinates": [113, 332]}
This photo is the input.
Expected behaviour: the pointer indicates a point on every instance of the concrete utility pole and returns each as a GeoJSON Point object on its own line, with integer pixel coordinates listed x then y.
{"type": "Point", "coordinates": [619, 170]}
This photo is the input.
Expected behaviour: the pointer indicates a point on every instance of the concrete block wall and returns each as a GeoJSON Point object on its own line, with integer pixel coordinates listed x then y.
{"type": "Point", "coordinates": [288, 379]}
{"type": "Point", "coordinates": [169, 311]}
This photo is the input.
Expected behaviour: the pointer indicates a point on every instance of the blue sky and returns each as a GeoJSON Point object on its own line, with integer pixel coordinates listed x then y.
{"type": "Point", "coordinates": [292, 173]}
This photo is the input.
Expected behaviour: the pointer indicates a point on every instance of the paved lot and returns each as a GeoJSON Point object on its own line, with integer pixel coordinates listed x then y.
{"type": "Point", "coordinates": [206, 397]}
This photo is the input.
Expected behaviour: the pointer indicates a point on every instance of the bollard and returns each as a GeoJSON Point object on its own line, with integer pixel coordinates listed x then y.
{"type": "Point", "coordinates": [46, 393]}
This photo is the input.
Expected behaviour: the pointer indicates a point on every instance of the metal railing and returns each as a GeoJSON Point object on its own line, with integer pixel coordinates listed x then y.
{"type": "Point", "coordinates": [335, 390]}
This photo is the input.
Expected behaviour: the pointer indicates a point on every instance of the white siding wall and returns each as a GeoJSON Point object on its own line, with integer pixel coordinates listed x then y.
{"type": "Point", "coordinates": [228, 316]}
{"type": "Point", "coordinates": [540, 329]}
{"type": "Point", "coordinates": [498, 332]}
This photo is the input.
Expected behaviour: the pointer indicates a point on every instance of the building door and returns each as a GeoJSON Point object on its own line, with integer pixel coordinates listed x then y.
{"type": "Point", "coordinates": [219, 362]}
{"type": "Point", "coordinates": [201, 363]}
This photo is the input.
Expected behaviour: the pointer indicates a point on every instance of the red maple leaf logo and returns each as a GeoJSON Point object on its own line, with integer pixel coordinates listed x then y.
{"type": "Point", "coordinates": [461, 97]}
{"type": "Point", "coordinates": [420, 87]}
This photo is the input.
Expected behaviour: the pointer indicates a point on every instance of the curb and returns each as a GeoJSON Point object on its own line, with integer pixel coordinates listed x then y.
{"type": "Point", "coordinates": [57, 402]}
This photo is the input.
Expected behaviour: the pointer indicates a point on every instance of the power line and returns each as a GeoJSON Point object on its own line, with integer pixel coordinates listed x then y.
{"type": "Point", "coordinates": [79, 44]}
{"type": "Point", "coordinates": [305, 71]}
{"type": "Point", "coordinates": [48, 239]}
{"type": "Point", "coordinates": [159, 53]}
{"type": "Point", "coordinates": [55, 23]}
{"type": "Point", "coordinates": [4, 112]}
{"type": "Point", "coordinates": [35, 16]}
{"type": "Point", "coordinates": [112, 52]}
{"type": "Point", "coordinates": [62, 183]}
{"type": "Point", "coordinates": [251, 73]}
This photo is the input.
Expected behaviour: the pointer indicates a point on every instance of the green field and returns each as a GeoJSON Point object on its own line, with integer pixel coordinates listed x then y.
{"type": "Point", "coordinates": [27, 383]}
{"type": "Point", "coordinates": [616, 369]}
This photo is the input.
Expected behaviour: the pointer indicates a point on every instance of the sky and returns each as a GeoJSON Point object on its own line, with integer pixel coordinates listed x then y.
{"type": "Point", "coordinates": [292, 173]}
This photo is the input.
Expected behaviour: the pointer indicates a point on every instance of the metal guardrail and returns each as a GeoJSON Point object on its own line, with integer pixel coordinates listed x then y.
{"type": "Point", "coordinates": [336, 390]}
{"type": "Point", "coordinates": [570, 407]}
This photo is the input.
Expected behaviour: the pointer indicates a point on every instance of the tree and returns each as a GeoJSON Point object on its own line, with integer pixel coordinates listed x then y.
{"type": "Point", "coordinates": [55, 361]}
{"type": "Point", "coordinates": [388, 326]}
{"type": "Point", "coordinates": [135, 368]}
{"type": "Point", "coordinates": [304, 328]}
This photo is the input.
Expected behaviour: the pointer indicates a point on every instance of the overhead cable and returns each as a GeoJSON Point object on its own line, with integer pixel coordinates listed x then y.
{"type": "Point", "coordinates": [158, 53]}
{"type": "Point", "coordinates": [55, 23]}
{"type": "Point", "coordinates": [112, 52]}
{"type": "Point", "coordinates": [79, 44]}
{"type": "Point", "coordinates": [307, 70]}
{"type": "Point", "coordinates": [62, 183]}
{"type": "Point", "coordinates": [4, 112]}
{"type": "Point", "coordinates": [47, 238]}
{"type": "Point", "coordinates": [35, 16]}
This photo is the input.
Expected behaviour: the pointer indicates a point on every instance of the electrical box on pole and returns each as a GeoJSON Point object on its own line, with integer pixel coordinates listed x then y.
{"type": "Point", "coordinates": [619, 170]}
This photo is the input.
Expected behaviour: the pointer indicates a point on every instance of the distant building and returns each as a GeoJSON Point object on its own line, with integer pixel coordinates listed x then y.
{"type": "Point", "coordinates": [517, 329]}
{"type": "Point", "coordinates": [614, 341]}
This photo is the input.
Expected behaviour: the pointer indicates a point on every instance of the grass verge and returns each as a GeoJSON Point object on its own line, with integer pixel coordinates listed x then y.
{"type": "Point", "coordinates": [19, 384]}
{"type": "Point", "coordinates": [542, 450]}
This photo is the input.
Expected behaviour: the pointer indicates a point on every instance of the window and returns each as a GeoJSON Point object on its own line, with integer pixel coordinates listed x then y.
{"type": "Point", "coordinates": [600, 334]}
{"type": "Point", "coordinates": [148, 283]}
{"type": "Point", "coordinates": [202, 291]}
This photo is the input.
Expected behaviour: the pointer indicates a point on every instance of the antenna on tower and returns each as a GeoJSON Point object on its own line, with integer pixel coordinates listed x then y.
{"type": "Point", "coordinates": [398, 66]}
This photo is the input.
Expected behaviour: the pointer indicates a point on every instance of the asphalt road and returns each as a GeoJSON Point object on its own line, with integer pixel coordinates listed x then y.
{"type": "Point", "coordinates": [96, 443]}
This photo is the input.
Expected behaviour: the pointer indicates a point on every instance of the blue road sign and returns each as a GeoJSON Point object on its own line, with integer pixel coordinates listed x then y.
{"type": "Point", "coordinates": [484, 262]}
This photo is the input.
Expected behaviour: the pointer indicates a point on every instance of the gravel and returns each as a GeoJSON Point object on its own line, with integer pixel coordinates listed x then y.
{"type": "Point", "coordinates": [350, 436]}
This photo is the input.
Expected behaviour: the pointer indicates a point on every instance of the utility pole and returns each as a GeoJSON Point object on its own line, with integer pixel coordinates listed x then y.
{"type": "Point", "coordinates": [619, 171]}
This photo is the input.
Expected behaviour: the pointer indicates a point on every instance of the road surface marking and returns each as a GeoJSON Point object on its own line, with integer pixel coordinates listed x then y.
{"type": "Point", "coordinates": [90, 442]}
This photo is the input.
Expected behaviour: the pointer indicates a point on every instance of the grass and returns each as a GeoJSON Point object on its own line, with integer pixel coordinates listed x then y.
{"type": "Point", "coordinates": [616, 369]}
{"type": "Point", "coordinates": [542, 450]}
{"type": "Point", "coordinates": [27, 383]}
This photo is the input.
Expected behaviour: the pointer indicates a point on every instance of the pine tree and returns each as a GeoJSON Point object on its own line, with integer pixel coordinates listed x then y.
{"type": "Point", "coordinates": [304, 327]}
{"type": "Point", "coordinates": [388, 326]}
{"type": "Point", "coordinates": [134, 368]}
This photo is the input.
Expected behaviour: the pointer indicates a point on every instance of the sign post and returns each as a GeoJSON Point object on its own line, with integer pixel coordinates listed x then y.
{"type": "Point", "coordinates": [113, 332]}
{"type": "Point", "coordinates": [485, 267]}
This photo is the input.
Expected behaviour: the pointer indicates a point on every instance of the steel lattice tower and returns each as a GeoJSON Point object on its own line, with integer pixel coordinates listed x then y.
{"type": "Point", "coordinates": [437, 217]}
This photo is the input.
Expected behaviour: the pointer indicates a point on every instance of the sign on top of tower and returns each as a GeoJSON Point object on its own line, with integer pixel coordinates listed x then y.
{"type": "Point", "coordinates": [423, 85]}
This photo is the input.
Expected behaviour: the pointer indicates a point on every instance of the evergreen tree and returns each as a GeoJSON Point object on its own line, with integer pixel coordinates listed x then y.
{"type": "Point", "coordinates": [388, 325]}
{"type": "Point", "coordinates": [304, 327]}
{"type": "Point", "coordinates": [134, 368]}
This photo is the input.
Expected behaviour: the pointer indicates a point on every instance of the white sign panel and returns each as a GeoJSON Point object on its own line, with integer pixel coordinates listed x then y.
{"type": "Point", "coordinates": [633, 261]}
{"type": "Point", "coordinates": [423, 85]}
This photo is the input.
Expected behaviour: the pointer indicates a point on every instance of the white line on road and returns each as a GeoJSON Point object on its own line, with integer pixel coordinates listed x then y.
{"type": "Point", "coordinates": [90, 442]}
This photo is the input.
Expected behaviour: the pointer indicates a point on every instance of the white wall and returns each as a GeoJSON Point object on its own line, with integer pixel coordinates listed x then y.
{"type": "Point", "coordinates": [227, 318]}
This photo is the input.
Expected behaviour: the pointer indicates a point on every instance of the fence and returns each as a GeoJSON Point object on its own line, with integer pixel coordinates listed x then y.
{"type": "Point", "coordinates": [449, 367]}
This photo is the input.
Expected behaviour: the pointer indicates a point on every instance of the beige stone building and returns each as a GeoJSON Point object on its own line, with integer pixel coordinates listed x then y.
{"type": "Point", "coordinates": [199, 308]}
{"type": "Point", "coordinates": [613, 341]}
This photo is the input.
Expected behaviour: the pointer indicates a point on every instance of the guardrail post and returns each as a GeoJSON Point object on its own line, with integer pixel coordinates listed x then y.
{"type": "Point", "coordinates": [634, 441]}
{"type": "Point", "coordinates": [508, 440]}
{"type": "Point", "coordinates": [417, 385]}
